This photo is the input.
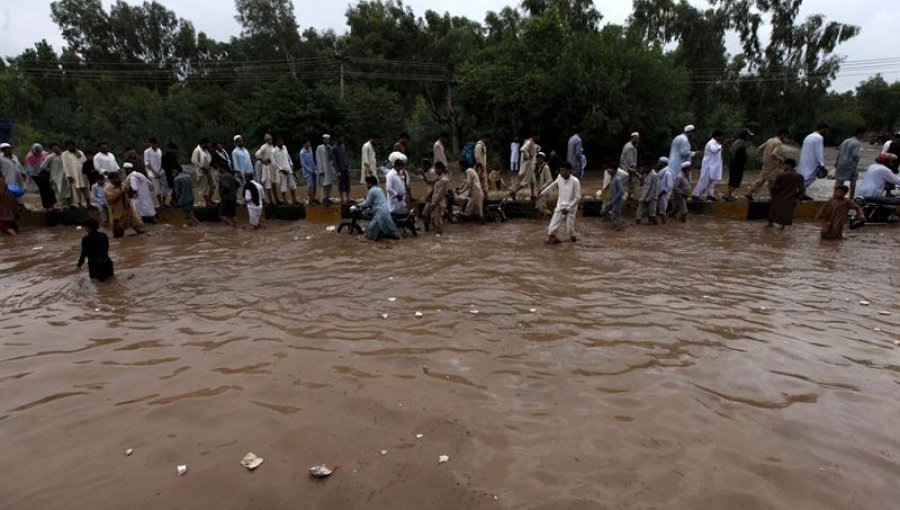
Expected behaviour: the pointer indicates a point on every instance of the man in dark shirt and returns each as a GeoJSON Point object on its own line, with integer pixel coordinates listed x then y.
{"type": "Point", "coordinates": [170, 165]}
{"type": "Point", "coordinates": [738, 163]}
{"type": "Point", "coordinates": [95, 248]}
{"type": "Point", "coordinates": [342, 165]}
{"type": "Point", "coordinates": [184, 196]}
{"type": "Point", "coordinates": [228, 188]}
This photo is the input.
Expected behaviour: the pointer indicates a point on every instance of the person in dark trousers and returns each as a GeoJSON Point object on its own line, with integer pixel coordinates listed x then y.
{"type": "Point", "coordinates": [228, 190]}
{"type": "Point", "coordinates": [171, 167]}
{"type": "Point", "coordinates": [738, 163]}
{"type": "Point", "coordinates": [95, 249]}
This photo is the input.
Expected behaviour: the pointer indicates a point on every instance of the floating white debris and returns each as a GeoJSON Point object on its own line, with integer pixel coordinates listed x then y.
{"type": "Point", "coordinates": [532, 310]}
{"type": "Point", "coordinates": [321, 471]}
{"type": "Point", "coordinates": [330, 228]}
{"type": "Point", "coordinates": [129, 451]}
{"type": "Point", "coordinates": [419, 314]}
{"type": "Point", "coordinates": [36, 248]}
{"type": "Point", "coordinates": [878, 330]}
{"type": "Point", "coordinates": [473, 311]}
{"type": "Point", "coordinates": [865, 303]}
{"type": "Point", "coordinates": [182, 470]}
{"type": "Point", "coordinates": [383, 453]}
{"type": "Point", "coordinates": [883, 312]}
{"type": "Point", "coordinates": [707, 297]}
{"type": "Point", "coordinates": [390, 277]}
{"type": "Point", "coordinates": [443, 458]}
{"type": "Point", "coordinates": [308, 238]}
{"type": "Point", "coordinates": [420, 436]}
{"type": "Point", "coordinates": [392, 299]}
{"type": "Point", "coordinates": [296, 239]}
{"type": "Point", "coordinates": [251, 461]}
{"type": "Point", "coordinates": [96, 309]}
{"type": "Point", "coordinates": [384, 316]}
{"type": "Point", "coordinates": [79, 228]}
{"type": "Point", "coordinates": [896, 342]}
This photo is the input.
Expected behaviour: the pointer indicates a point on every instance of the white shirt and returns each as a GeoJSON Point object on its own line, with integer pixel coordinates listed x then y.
{"type": "Point", "coordinates": [282, 159]}
{"type": "Point", "coordinates": [143, 202]}
{"type": "Point", "coordinates": [200, 158]}
{"type": "Point", "coordinates": [153, 162]}
{"type": "Point", "coordinates": [873, 183]}
{"type": "Point", "coordinates": [248, 197]}
{"type": "Point", "coordinates": [569, 192]}
{"type": "Point", "coordinates": [620, 174]}
{"type": "Point", "coordinates": [439, 153]}
{"type": "Point", "coordinates": [105, 163]}
{"type": "Point", "coordinates": [666, 181]}
{"type": "Point", "coordinates": [514, 152]}
{"type": "Point", "coordinates": [812, 155]}
{"type": "Point", "coordinates": [368, 159]}
{"type": "Point", "coordinates": [712, 159]}
{"type": "Point", "coordinates": [396, 190]}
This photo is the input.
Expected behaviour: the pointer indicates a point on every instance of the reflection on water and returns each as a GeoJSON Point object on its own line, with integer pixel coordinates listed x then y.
{"type": "Point", "coordinates": [708, 365]}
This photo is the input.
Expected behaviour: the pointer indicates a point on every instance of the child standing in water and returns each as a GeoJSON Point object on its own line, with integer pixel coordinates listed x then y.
{"type": "Point", "coordinates": [95, 248]}
{"type": "Point", "coordinates": [833, 214]}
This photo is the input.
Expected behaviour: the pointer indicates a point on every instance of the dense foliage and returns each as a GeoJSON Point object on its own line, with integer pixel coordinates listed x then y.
{"type": "Point", "coordinates": [138, 71]}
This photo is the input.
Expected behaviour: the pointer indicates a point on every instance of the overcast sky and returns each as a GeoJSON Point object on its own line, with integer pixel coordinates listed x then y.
{"type": "Point", "coordinates": [23, 22]}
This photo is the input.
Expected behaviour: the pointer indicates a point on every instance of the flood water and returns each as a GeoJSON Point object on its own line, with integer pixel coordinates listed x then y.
{"type": "Point", "coordinates": [713, 365]}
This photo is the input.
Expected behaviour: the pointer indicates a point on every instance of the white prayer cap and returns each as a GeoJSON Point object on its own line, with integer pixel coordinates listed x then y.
{"type": "Point", "coordinates": [326, 136]}
{"type": "Point", "coordinates": [686, 164]}
{"type": "Point", "coordinates": [5, 145]}
{"type": "Point", "coordinates": [238, 137]}
{"type": "Point", "coordinates": [689, 128]}
{"type": "Point", "coordinates": [127, 165]}
{"type": "Point", "coordinates": [664, 159]}
{"type": "Point", "coordinates": [397, 155]}
{"type": "Point", "coordinates": [541, 155]}
{"type": "Point", "coordinates": [635, 135]}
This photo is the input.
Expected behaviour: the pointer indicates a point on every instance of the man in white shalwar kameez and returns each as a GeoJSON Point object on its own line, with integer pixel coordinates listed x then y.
{"type": "Point", "coordinates": [155, 172]}
{"type": "Point", "coordinates": [143, 200]}
{"type": "Point", "coordinates": [202, 159]}
{"type": "Point", "coordinates": [268, 173]}
{"type": "Point", "coordinates": [680, 151]}
{"type": "Point", "coordinates": [325, 164]}
{"type": "Point", "coordinates": [53, 163]}
{"type": "Point", "coordinates": [710, 168]}
{"type": "Point", "coordinates": [281, 159]}
{"type": "Point", "coordinates": [369, 161]}
{"type": "Point", "coordinates": [73, 162]}
{"type": "Point", "coordinates": [395, 185]}
{"type": "Point", "coordinates": [569, 188]}
{"type": "Point", "coordinates": [254, 197]}
{"type": "Point", "coordinates": [812, 154]}
{"type": "Point", "coordinates": [105, 161]}
{"type": "Point", "coordinates": [665, 182]}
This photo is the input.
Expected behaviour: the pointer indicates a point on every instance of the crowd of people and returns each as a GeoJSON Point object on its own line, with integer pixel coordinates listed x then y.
{"type": "Point", "coordinates": [128, 196]}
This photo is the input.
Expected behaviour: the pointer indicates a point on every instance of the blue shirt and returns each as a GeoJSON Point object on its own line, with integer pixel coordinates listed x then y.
{"type": "Point", "coordinates": [680, 153]}
{"type": "Point", "coordinates": [240, 160]}
{"type": "Point", "coordinates": [307, 161]}
{"type": "Point", "coordinates": [97, 194]}
{"type": "Point", "coordinates": [184, 189]}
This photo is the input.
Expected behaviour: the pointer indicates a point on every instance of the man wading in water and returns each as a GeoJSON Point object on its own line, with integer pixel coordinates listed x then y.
{"type": "Point", "coordinates": [95, 249]}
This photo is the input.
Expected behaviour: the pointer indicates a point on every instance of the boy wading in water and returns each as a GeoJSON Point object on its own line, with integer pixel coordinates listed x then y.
{"type": "Point", "coordinates": [833, 214]}
{"type": "Point", "coordinates": [566, 205]}
{"type": "Point", "coordinates": [95, 248]}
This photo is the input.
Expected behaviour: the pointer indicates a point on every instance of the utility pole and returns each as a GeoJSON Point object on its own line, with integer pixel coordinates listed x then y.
{"type": "Point", "coordinates": [342, 76]}
{"type": "Point", "coordinates": [451, 116]}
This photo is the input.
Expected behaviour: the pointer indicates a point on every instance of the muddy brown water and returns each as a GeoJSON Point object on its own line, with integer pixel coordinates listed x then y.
{"type": "Point", "coordinates": [710, 365]}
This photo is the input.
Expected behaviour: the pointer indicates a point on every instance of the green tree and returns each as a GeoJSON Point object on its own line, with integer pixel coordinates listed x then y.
{"type": "Point", "coordinates": [879, 103]}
